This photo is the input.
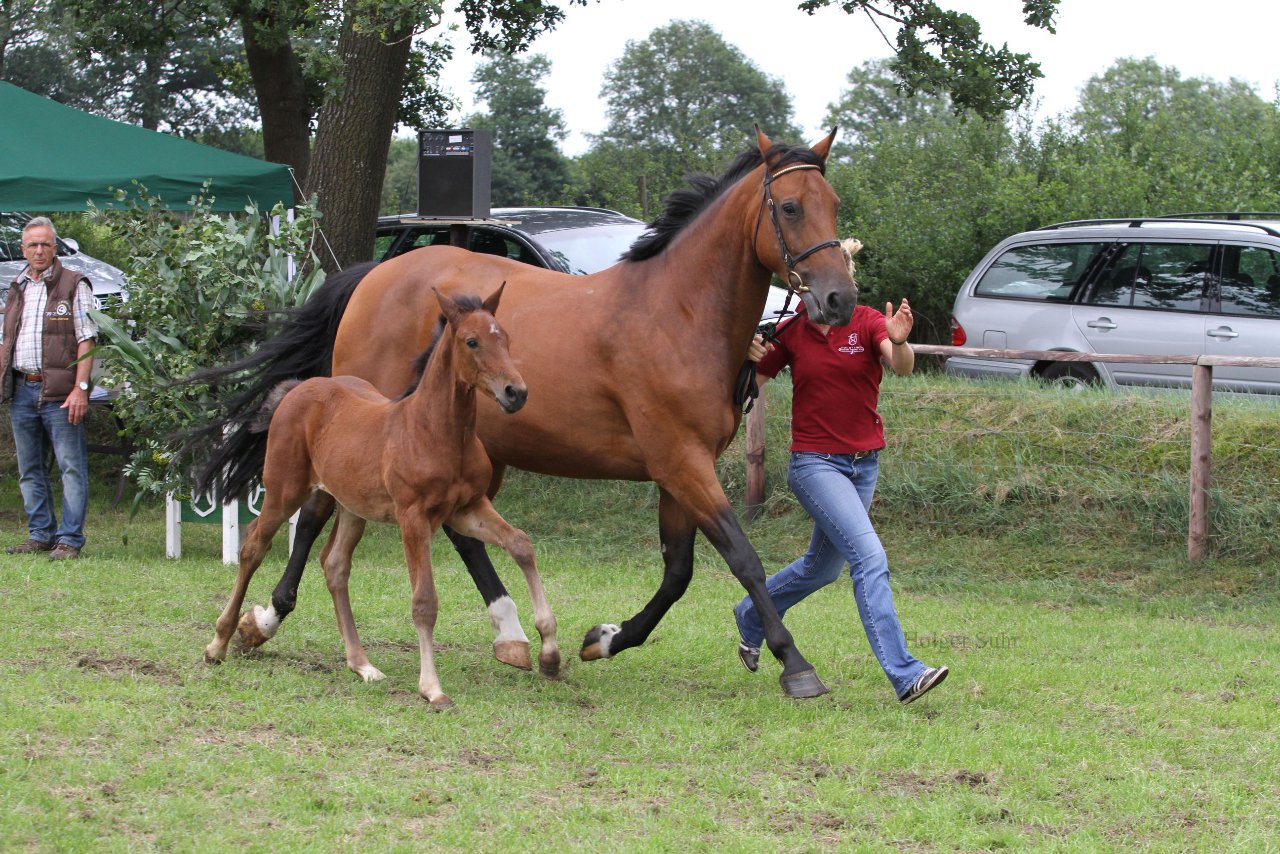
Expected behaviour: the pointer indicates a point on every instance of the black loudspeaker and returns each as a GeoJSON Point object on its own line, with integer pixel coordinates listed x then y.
{"type": "Point", "coordinates": [454, 173]}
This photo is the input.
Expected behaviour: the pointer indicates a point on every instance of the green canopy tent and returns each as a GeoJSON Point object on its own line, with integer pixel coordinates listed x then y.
{"type": "Point", "coordinates": [56, 158]}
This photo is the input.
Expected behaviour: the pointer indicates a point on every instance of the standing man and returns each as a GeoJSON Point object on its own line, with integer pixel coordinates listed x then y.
{"type": "Point", "coordinates": [44, 375]}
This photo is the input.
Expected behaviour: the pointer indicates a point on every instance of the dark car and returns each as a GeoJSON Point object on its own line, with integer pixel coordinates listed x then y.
{"type": "Point", "coordinates": [568, 239]}
{"type": "Point", "coordinates": [573, 240]}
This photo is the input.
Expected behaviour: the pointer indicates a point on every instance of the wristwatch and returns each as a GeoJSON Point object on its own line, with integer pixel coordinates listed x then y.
{"type": "Point", "coordinates": [84, 386]}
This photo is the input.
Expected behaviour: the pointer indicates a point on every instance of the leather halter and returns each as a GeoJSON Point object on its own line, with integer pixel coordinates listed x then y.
{"type": "Point", "coordinates": [795, 282]}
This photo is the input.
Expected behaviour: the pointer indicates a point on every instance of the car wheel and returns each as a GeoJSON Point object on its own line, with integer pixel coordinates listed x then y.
{"type": "Point", "coordinates": [1071, 374]}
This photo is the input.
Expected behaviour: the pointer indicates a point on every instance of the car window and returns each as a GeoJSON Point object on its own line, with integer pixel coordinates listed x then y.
{"type": "Point", "coordinates": [1049, 271]}
{"type": "Point", "coordinates": [1250, 283]}
{"type": "Point", "coordinates": [381, 244]}
{"type": "Point", "coordinates": [1167, 276]}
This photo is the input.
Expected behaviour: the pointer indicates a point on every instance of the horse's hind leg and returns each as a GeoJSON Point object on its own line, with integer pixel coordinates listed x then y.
{"type": "Point", "coordinates": [676, 530]}
{"type": "Point", "coordinates": [336, 559]}
{"type": "Point", "coordinates": [259, 625]}
{"type": "Point", "coordinates": [255, 547]}
{"type": "Point", "coordinates": [482, 521]}
{"type": "Point", "coordinates": [510, 644]}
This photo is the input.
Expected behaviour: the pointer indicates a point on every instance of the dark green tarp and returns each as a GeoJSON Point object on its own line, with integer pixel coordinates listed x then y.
{"type": "Point", "coordinates": [55, 158]}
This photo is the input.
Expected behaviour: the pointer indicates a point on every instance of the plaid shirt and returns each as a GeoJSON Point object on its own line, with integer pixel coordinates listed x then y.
{"type": "Point", "coordinates": [28, 351]}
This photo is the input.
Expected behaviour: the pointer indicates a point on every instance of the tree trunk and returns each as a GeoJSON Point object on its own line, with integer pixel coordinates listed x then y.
{"type": "Point", "coordinates": [282, 95]}
{"type": "Point", "coordinates": [353, 136]}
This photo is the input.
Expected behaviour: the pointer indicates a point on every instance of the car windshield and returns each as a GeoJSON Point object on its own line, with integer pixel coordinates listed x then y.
{"type": "Point", "coordinates": [590, 250]}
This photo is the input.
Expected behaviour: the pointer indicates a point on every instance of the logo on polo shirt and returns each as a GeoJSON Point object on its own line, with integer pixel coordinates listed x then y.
{"type": "Point", "coordinates": [852, 347]}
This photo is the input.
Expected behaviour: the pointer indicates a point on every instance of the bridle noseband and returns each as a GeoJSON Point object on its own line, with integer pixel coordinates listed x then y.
{"type": "Point", "coordinates": [795, 282]}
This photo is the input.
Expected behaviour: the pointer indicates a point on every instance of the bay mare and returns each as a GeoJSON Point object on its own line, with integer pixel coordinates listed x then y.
{"type": "Point", "coordinates": [414, 461]}
{"type": "Point", "coordinates": [630, 370]}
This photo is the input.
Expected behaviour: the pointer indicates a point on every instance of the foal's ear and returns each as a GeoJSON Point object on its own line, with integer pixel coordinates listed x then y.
{"type": "Point", "coordinates": [491, 304]}
{"type": "Point", "coordinates": [448, 307]}
{"type": "Point", "coordinates": [823, 146]}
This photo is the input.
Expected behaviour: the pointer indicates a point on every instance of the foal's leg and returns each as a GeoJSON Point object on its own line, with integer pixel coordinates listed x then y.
{"type": "Point", "coordinates": [336, 560]}
{"type": "Point", "coordinates": [481, 520]}
{"type": "Point", "coordinates": [255, 547]}
{"type": "Point", "coordinates": [416, 533]}
{"type": "Point", "coordinates": [259, 625]}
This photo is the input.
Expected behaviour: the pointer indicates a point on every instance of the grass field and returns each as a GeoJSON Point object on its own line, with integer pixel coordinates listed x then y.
{"type": "Point", "coordinates": [1105, 695]}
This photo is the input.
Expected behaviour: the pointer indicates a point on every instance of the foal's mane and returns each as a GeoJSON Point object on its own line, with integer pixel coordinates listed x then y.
{"type": "Point", "coordinates": [468, 303]}
{"type": "Point", "coordinates": [682, 206]}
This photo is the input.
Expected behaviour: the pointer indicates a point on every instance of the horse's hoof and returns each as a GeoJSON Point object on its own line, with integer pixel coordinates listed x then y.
{"type": "Point", "coordinates": [213, 654]}
{"type": "Point", "coordinates": [549, 668]}
{"type": "Point", "coordinates": [596, 644]}
{"type": "Point", "coordinates": [369, 673]}
{"type": "Point", "coordinates": [441, 703]}
{"type": "Point", "coordinates": [802, 685]}
{"type": "Point", "coordinates": [257, 626]}
{"type": "Point", "coordinates": [514, 653]}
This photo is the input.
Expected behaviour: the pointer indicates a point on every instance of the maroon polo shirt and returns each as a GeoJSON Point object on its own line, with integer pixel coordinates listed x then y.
{"type": "Point", "coordinates": [835, 382]}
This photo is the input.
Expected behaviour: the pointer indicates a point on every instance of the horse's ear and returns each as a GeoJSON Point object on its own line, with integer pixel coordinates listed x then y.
{"type": "Point", "coordinates": [823, 146]}
{"type": "Point", "coordinates": [448, 307]}
{"type": "Point", "coordinates": [491, 304]}
{"type": "Point", "coordinates": [763, 141]}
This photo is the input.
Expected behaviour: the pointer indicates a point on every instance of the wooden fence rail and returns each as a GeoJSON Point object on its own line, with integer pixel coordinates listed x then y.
{"type": "Point", "coordinates": [1201, 420]}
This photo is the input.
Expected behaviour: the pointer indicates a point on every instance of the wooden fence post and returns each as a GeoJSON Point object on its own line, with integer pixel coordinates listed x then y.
{"type": "Point", "coordinates": [1201, 455]}
{"type": "Point", "coordinates": [755, 459]}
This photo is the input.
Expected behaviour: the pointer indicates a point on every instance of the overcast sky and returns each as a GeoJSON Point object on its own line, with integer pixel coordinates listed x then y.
{"type": "Point", "coordinates": [813, 54]}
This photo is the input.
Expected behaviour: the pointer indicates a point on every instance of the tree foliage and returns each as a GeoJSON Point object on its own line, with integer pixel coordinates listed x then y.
{"type": "Point", "coordinates": [528, 168]}
{"type": "Point", "coordinates": [940, 51]}
{"type": "Point", "coordinates": [681, 100]}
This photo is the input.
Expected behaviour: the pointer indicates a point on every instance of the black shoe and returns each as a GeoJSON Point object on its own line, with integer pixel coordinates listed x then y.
{"type": "Point", "coordinates": [31, 546]}
{"type": "Point", "coordinates": [929, 679]}
{"type": "Point", "coordinates": [749, 655]}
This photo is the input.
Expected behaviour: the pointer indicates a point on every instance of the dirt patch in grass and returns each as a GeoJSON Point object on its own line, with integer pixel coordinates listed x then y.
{"type": "Point", "coordinates": [123, 665]}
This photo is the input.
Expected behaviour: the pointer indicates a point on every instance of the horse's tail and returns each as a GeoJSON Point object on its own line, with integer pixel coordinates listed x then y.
{"type": "Point", "coordinates": [301, 347]}
{"type": "Point", "coordinates": [262, 421]}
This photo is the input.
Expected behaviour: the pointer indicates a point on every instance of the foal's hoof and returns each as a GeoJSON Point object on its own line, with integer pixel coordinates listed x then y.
{"type": "Point", "coordinates": [441, 703]}
{"type": "Point", "coordinates": [596, 644]}
{"type": "Point", "coordinates": [802, 685]}
{"type": "Point", "coordinates": [257, 626]}
{"type": "Point", "coordinates": [514, 653]}
{"type": "Point", "coordinates": [213, 654]}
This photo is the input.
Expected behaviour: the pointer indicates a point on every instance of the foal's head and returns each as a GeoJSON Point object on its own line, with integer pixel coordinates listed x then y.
{"type": "Point", "coordinates": [481, 358]}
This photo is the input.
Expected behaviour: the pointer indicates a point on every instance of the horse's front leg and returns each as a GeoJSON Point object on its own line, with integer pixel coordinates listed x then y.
{"type": "Point", "coordinates": [336, 560]}
{"type": "Point", "coordinates": [481, 521]}
{"type": "Point", "coordinates": [416, 531]}
{"type": "Point", "coordinates": [676, 530]}
{"type": "Point", "coordinates": [510, 643]}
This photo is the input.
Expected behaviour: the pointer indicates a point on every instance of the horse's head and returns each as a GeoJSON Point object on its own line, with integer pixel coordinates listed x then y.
{"type": "Point", "coordinates": [795, 234]}
{"type": "Point", "coordinates": [481, 354]}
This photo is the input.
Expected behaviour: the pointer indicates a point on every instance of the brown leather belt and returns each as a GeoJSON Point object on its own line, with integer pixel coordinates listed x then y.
{"type": "Point", "coordinates": [31, 378]}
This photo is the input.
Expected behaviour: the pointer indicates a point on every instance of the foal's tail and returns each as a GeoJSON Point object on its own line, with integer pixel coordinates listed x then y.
{"type": "Point", "coordinates": [301, 347]}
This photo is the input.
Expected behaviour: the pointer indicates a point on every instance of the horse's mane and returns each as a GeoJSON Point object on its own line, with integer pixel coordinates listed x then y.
{"type": "Point", "coordinates": [682, 206]}
{"type": "Point", "coordinates": [468, 303]}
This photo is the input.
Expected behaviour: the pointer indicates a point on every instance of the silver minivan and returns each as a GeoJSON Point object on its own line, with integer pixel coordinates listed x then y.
{"type": "Point", "coordinates": [1191, 284]}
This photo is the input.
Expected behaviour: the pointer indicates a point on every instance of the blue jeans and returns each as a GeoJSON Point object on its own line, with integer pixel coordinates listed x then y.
{"type": "Point", "coordinates": [37, 426]}
{"type": "Point", "coordinates": [836, 491]}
